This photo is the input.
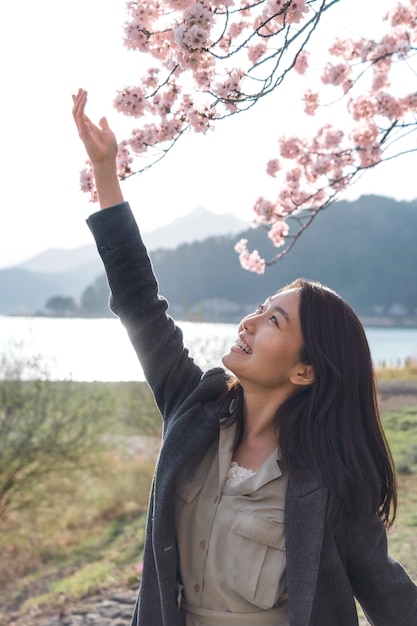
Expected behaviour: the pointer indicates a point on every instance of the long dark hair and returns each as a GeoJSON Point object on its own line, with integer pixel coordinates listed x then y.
{"type": "Point", "coordinates": [333, 426]}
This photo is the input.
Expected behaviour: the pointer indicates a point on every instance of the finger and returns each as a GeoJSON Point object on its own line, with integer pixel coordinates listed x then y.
{"type": "Point", "coordinates": [82, 122]}
{"type": "Point", "coordinates": [79, 103]}
{"type": "Point", "coordinates": [103, 123]}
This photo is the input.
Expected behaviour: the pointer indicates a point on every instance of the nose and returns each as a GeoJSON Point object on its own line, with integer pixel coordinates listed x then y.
{"type": "Point", "coordinates": [248, 323]}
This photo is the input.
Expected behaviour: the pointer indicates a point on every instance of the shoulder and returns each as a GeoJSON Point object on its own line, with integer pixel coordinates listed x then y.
{"type": "Point", "coordinates": [213, 384]}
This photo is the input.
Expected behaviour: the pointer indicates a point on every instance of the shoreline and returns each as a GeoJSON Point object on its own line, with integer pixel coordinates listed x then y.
{"type": "Point", "coordinates": [367, 320]}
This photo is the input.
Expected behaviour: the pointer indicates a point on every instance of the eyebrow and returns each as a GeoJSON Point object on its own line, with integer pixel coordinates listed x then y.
{"type": "Point", "coordinates": [283, 312]}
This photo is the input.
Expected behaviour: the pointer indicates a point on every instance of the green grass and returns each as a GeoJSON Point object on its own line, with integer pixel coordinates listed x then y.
{"type": "Point", "coordinates": [401, 430]}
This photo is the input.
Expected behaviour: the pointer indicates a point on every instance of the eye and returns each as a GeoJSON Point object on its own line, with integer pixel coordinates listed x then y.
{"type": "Point", "coordinates": [274, 320]}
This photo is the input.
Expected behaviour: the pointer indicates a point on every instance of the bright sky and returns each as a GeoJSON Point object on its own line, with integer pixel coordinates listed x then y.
{"type": "Point", "coordinates": [48, 49]}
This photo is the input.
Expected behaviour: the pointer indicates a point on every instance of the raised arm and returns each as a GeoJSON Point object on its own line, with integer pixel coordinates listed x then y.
{"type": "Point", "coordinates": [158, 342]}
{"type": "Point", "coordinates": [101, 146]}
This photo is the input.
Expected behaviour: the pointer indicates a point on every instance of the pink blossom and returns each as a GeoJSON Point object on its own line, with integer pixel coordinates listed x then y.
{"type": "Point", "coordinates": [249, 260]}
{"type": "Point", "coordinates": [87, 182]}
{"type": "Point", "coordinates": [142, 138]}
{"type": "Point", "coordinates": [390, 107]}
{"type": "Point", "coordinates": [230, 88]}
{"type": "Point", "coordinates": [301, 64]}
{"type": "Point", "coordinates": [168, 130]}
{"type": "Point", "coordinates": [321, 165]}
{"type": "Point", "coordinates": [272, 167]}
{"type": "Point", "coordinates": [286, 11]}
{"type": "Point", "coordinates": [404, 15]}
{"type": "Point", "coordinates": [237, 29]}
{"type": "Point", "coordinates": [123, 159]}
{"type": "Point", "coordinates": [339, 180]}
{"type": "Point", "coordinates": [379, 80]}
{"type": "Point", "coordinates": [145, 14]}
{"type": "Point", "coordinates": [204, 72]}
{"type": "Point", "coordinates": [161, 47]}
{"type": "Point", "coordinates": [286, 201]}
{"type": "Point", "coordinates": [289, 148]}
{"type": "Point", "coordinates": [151, 78]}
{"type": "Point", "coordinates": [295, 11]}
{"type": "Point", "coordinates": [200, 14]}
{"type": "Point", "coordinates": [180, 4]}
{"type": "Point", "coordinates": [196, 37]}
{"type": "Point", "coordinates": [343, 48]}
{"type": "Point", "coordinates": [410, 102]}
{"type": "Point", "coordinates": [256, 51]}
{"type": "Point", "coordinates": [278, 231]}
{"type": "Point", "coordinates": [136, 37]}
{"type": "Point", "coordinates": [311, 102]}
{"type": "Point", "coordinates": [336, 74]}
{"type": "Point", "coordinates": [130, 101]}
{"type": "Point", "coordinates": [241, 246]}
{"type": "Point", "coordinates": [367, 148]}
{"type": "Point", "coordinates": [330, 137]}
{"type": "Point", "coordinates": [365, 136]}
{"type": "Point", "coordinates": [363, 107]}
{"type": "Point", "coordinates": [163, 101]}
{"type": "Point", "coordinates": [369, 157]}
{"type": "Point", "coordinates": [265, 211]}
{"type": "Point", "coordinates": [293, 177]}
{"type": "Point", "coordinates": [200, 120]}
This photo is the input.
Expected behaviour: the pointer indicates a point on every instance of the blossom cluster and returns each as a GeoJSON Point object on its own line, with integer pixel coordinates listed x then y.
{"type": "Point", "coordinates": [208, 60]}
{"type": "Point", "coordinates": [204, 61]}
{"type": "Point", "coordinates": [311, 171]}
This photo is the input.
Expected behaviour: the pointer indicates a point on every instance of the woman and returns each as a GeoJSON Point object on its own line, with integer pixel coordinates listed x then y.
{"type": "Point", "coordinates": [274, 484]}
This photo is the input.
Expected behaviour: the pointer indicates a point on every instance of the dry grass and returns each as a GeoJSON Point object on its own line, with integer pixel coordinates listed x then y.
{"type": "Point", "coordinates": [407, 372]}
{"type": "Point", "coordinates": [86, 532]}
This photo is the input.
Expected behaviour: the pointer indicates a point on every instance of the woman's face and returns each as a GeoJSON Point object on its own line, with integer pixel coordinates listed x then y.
{"type": "Point", "coordinates": [267, 351]}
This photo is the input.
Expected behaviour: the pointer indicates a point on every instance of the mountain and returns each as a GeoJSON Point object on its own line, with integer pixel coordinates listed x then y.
{"type": "Point", "coordinates": [26, 287]}
{"type": "Point", "coordinates": [364, 249]}
{"type": "Point", "coordinates": [195, 226]}
{"type": "Point", "coordinates": [58, 261]}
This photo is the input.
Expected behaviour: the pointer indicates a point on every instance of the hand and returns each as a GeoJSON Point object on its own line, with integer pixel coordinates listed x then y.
{"type": "Point", "coordinates": [100, 142]}
{"type": "Point", "coordinates": [101, 146]}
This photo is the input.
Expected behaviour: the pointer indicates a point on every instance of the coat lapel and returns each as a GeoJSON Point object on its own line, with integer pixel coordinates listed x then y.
{"type": "Point", "coordinates": [305, 511]}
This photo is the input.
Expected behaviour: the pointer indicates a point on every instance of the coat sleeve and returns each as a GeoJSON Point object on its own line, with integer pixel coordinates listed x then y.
{"type": "Point", "coordinates": [383, 588]}
{"type": "Point", "coordinates": [158, 342]}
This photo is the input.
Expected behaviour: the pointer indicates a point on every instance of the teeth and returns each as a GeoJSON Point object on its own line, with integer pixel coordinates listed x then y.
{"type": "Point", "coordinates": [242, 345]}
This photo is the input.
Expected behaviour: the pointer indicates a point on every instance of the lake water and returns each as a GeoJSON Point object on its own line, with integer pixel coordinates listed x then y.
{"type": "Point", "coordinates": [98, 349]}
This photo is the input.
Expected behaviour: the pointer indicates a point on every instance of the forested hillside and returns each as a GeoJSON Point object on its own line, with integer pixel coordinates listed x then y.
{"type": "Point", "coordinates": [366, 250]}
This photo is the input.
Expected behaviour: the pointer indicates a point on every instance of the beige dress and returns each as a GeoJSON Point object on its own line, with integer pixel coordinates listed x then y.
{"type": "Point", "coordinates": [231, 540]}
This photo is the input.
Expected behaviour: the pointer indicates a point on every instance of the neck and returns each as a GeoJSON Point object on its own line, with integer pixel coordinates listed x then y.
{"type": "Point", "coordinates": [258, 414]}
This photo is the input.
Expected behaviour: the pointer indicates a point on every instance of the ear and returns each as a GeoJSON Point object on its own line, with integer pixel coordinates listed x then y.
{"type": "Point", "coordinates": [303, 375]}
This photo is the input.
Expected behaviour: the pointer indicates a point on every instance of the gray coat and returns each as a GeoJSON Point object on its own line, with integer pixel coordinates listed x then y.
{"type": "Point", "coordinates": [326, 571]}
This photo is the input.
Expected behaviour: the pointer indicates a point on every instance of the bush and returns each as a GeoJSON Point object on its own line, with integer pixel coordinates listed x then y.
{"type": "Point", "coordinates": [45, 426]}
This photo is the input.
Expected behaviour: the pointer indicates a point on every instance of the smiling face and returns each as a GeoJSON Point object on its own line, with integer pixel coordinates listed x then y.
{"type": "Point", "coordinates": [267, 353]}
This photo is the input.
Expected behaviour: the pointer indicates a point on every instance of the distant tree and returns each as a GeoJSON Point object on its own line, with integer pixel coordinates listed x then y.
{"type": "Point", "coordinates": [61, 305]}
{"type": "Point", "coordinates": [95, 299]}
{"type": "Point", "coordinates": [45, 426]}
{"type": "Point", "coordinates": [206, 61]}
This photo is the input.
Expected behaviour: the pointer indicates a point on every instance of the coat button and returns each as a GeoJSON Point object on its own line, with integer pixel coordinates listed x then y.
{"type": "Point", "coordinates": [203, 545]}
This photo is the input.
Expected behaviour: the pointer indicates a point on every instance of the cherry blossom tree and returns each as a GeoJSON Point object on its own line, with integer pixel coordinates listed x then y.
{"type": "Point", "coordinates": [207, 61]}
